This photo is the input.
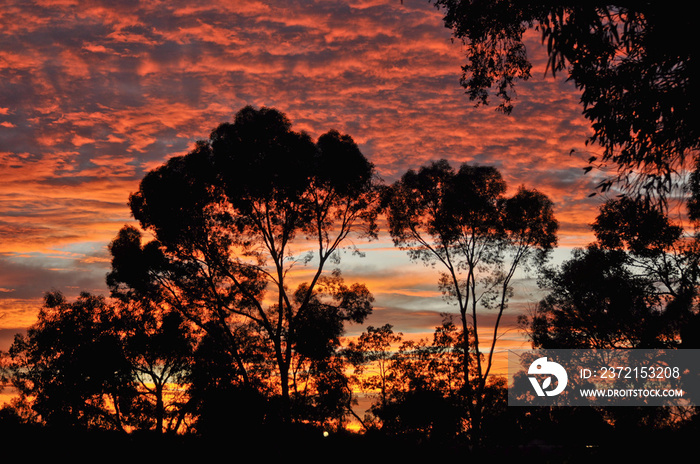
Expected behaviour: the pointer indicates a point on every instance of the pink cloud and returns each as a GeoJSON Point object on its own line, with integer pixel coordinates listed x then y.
{"type": "Point", "coordinates": [92, 96]}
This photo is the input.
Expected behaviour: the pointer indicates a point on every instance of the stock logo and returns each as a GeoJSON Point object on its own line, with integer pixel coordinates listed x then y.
{"type": "Point", "coordinates": [543, 367]}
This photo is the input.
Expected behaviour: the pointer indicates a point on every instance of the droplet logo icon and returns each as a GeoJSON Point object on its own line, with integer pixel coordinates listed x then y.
{"type": "Point", "coordinates": [543, 367]}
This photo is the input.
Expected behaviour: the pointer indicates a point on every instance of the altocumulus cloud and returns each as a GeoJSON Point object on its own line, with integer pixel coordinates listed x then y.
{"type": "Point", "coordinates": [93, 94]}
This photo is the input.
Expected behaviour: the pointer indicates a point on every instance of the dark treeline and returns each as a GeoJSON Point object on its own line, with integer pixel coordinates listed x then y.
{"type": "Point", "coordinates": [207, 334]}
{"type": "Point", "coordinates": [228, 306]}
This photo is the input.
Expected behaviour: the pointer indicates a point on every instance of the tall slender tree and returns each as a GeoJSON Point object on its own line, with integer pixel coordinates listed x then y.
{"type": "Point", "coordinates": [463, 222]}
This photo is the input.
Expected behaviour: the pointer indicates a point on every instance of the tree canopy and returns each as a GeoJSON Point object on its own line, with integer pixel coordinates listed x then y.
{"type": "Point", "coordinates": [95, 363]}
{"type": "Point", "coordinates": [235, 221]}
{"type": "Point", "coordinates": [634, 287]}
{"type": "Point", "coordinates": [72, 367]}
{"type": "Point", "coordinates": [634, 63]}
{"type": "Point", "coordinates": [462, 221]}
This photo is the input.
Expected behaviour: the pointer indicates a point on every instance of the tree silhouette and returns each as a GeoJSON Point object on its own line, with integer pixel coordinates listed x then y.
{"type": "Point", "coordinates": [219, 401]}
{"type": "Point", "coordinates": [159, 347]}
{"type": "Point", "coordinates": [637, 226]}
{"type": "Point", "coordinates": [428, 401]}
{"type": "Point", "coordinates": [596, 301]}
{"type": "Point", "coordinates": [635, 287]}
{"type": "Point", "coordinates": [375, 347]}
{"type": "Point", "coordinates": [100, 364]}
{"type": "Point", "coordinates": [639, 93]}
{"type": "Point", "coordinates": [416, 384]}
{"type": "Point", "coordinates": [234, 219]}
{"type": "Point", "coordinates": [71, 368]}
{"type": "Point", "coordinates": [463, 221]}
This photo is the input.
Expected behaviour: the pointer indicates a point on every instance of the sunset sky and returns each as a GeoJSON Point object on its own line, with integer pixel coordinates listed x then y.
{"type": "Point", "coordinates": [95, 94]}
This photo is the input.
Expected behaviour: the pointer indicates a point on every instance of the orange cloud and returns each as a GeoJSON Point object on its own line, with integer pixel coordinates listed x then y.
{"type": "Point", "coordinates": [92, 96]}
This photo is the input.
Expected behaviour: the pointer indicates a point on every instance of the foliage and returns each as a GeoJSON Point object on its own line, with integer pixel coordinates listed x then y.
{"type": "Point", "coordinates": [159, 346]}
{"type": "Point", "coordinates": [231, 220]}
{"type": "Point", "coordinates": [638, 92]}
{"type": "Point", "coordinates": [99, 364]}
{"type": "Point", "coordinates": [462, 221]}
{"type": "Point", "coordinates": [71, 368]}
{"type": "Point", "coordinates": [637, 226]}
{"type": "Point", "coordinates": [636, 287]}
{"type": "Point", "coordinates": [595, 301]}
{"type": "Point", "coordinates": [220, 403]}
{"type": "Point", "coordinates": [375, 347]}
{"type": "Point", "coordinates": [326, 397]}
{"type": "Point", "coordinates": [418, 384]}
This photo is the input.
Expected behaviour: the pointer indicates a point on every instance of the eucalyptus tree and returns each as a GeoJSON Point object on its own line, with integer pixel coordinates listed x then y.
{"type": "Point", "coordinates": [638, 92]}
{"type": "Point", "coordinates": [636, 286]}
{"type": "Point", "coordinates": [245, 227]}
{"type": "Point", "coordinates": [71, 369]}
{"type": "Point", "coordinates": [463, 222]}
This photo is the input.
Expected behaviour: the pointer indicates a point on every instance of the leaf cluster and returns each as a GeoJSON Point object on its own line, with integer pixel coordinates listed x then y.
{"type": "Point", "coordinates": [638, 92]}
{"type": "Point", "coordinates": [635, 287]}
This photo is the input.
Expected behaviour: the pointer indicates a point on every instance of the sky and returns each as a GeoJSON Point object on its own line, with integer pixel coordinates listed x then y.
{"type": "Point", "coordinates": [95, 94]}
